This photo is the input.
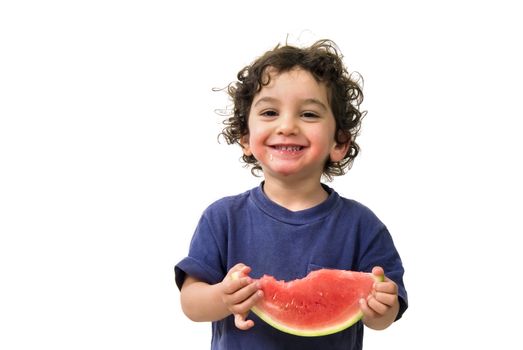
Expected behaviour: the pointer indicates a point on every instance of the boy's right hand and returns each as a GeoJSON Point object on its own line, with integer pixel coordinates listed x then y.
{"type": "Point", "coordinates": [240, 294]}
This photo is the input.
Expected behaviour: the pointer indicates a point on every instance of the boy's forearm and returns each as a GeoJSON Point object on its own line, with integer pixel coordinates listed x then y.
{"type": "Point", "coordinates": [202, 302]}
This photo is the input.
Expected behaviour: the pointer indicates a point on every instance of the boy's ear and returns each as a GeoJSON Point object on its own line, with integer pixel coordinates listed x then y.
{"type": "Point", "coordinates": [244, 142]}
{"type": "Point", "coordinates": [339, 150]}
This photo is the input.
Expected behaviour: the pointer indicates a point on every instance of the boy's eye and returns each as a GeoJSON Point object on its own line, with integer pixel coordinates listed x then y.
{"type": "Point", "coordinates": [310, 115]}
{"type": "Point", "coordinates": [268, 113]}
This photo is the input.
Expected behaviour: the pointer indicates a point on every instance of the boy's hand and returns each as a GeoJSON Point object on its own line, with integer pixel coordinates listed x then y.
{"type": "Point", "coordinates": [240, 294]}
{"type": "Point", "coordinates": [382, 306]}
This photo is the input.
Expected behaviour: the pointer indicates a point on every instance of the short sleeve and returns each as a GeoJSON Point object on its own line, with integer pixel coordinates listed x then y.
{"type": "Point", "coordinates": [204, 261]}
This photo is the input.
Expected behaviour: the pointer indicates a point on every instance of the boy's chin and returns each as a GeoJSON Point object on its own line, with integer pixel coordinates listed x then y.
{"type": "Point", "coordinates": [284, 173]}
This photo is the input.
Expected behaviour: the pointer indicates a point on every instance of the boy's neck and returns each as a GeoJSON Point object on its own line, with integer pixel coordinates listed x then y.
{"type": "Point", "coordinates": [295, 195]}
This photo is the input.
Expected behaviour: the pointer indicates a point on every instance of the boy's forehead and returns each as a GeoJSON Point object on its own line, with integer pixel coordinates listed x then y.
{"type": "Point", "coordinates": [271, 71]}
{"type": "Point", "coordinates": [308, 84]}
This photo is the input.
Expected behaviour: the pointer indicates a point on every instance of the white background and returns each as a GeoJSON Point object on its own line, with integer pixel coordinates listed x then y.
{"type": "Point", "coordinates": [108, 155]}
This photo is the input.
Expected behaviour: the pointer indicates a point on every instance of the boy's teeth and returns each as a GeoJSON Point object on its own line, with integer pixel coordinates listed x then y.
{"type": "Point", "coordinates": [288, 148]}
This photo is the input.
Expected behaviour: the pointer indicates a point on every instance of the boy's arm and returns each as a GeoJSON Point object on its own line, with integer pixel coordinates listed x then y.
{"type": "Point", "coordinates": [211, 302]}
{"type": "Point", "coordinates": [202, 301]}
{"type": "Point", "coordinates": [382, 307]}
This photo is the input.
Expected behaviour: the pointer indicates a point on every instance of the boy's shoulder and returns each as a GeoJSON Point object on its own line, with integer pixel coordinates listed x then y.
{"type": "Point", "coordinates": [356, 209]}
{"type": "Point", "coordinates": [349, 203]}
{"type": "Point", "coordinates": [356, 206]}
{"type": "Point", "coordinates": [231, 202]}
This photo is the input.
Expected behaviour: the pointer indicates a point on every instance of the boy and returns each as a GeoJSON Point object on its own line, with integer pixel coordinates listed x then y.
{"type": "Point", "coordinates": [296, 118]}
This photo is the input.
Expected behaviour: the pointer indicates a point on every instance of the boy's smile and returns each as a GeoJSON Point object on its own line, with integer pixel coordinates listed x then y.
{"type": "Point", "coordinates": [291, 127]}
{"type": "Point", "coordinates": [285, 150]}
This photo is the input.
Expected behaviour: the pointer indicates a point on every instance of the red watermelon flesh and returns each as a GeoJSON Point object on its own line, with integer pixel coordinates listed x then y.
{"type": "Point", "coordinates": [326, 301]}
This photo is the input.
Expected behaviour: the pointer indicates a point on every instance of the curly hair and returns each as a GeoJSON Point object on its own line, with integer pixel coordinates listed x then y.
{"type": "Point", "coordinates": [324, 61]}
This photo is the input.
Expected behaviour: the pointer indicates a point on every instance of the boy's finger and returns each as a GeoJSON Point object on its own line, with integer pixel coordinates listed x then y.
{"type": "Point", "coordinates": [233, 285]}
{"type": "Point", "coordinates": [367, 311]}
{"type": "Point", "coordinates": [237, 272]}
{"type": "Point", "coordinates": [378, 271]}
{"type": "Point", "coordinates": [377, 307]}
{"type": "Point", "coordinates": [243, 293]}
{"type": "Point", "coordinates": [244, 270]}
{"type": "Point", "coordinates": [240, 268]}
{"type": "Point", "coordinates": [386, 298]}
{"type": "Point", "coordinates": [386, 287]}
{"type": "Point", "coordinates": [245, 305]}
{"type": "Point", "coordinates": [242, 323]}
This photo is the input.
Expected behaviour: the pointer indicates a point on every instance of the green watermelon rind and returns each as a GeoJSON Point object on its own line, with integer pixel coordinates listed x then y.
{"type": "Point", "coordinates": [308, 333]}
{"type": "Point", "coordinates": [311, 332]}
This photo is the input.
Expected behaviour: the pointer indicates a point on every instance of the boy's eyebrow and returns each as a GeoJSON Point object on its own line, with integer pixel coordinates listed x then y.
{"type": "Point", "coordinates": [305, 101]}
{"type": "Point", "coordinates": [266, 99]}
{"type": "Point", "coordinates": [316, 102]}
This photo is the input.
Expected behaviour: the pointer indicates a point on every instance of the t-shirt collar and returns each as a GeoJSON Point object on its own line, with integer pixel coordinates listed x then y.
{"type": "Point", "coordinates": [300, 217]}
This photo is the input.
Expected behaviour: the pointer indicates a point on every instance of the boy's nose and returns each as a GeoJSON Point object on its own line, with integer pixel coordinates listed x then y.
{"type": "Point", "coordinates": [287, 125]}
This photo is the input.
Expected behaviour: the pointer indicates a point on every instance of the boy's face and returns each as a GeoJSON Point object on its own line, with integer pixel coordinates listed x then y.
{"type": "Point", "coordinates": [291, 127]}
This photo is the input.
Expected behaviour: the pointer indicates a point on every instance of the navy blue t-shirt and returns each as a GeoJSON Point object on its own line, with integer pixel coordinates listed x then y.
{"type": "Point", "coordinates": [249, 228]}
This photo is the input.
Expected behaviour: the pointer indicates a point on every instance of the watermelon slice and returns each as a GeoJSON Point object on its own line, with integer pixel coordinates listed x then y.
{"type": "Point", "coordinates": [326, 301]}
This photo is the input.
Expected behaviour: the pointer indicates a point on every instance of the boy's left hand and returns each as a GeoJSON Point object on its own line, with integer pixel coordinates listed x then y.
{"type": "Point", "coordinates": [382, 306]}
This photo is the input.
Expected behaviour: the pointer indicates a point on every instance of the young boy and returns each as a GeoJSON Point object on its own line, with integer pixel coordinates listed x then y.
{"type": "Point", "coordinates": [296, 118]}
